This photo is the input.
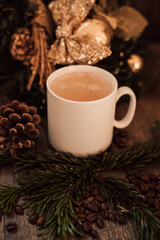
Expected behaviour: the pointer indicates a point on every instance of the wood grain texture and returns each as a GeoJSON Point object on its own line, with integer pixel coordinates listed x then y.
{"type": "Point", "coordinates": [148, 109]}
{"type": "Point", "coordinates": [139, 130]}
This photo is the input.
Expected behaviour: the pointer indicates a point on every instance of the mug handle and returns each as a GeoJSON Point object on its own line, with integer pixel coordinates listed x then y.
{"type": "Point", "coordinates": [126, 120]}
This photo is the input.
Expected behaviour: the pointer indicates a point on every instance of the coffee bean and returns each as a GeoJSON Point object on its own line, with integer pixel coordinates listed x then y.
{"type": "Point", "coordinates": [92, 217]}
{"type": "Point", "coordinates": [156, 203]}
{"type": "Point", "coordinates": [19, 209]}
{"type": "Point", "coordinates": [74, 221]}
{"type": "Point", "coordinates": [76, 210]}
{"type": "Point", "coordinates": [40, 220]}
{"type": "Point", "coordinates": [95, 192]}
{"type": "Point", "coordinates": [87, 211]}
{"type": "Point", "coordinates": [95, 185]}
{"type": "Point", "coordinates": [87, 226]}
{"type": "Point", "coordinates": [153, 177]}
{"type": "Point", "coordinates": [120, 142]}
{"type": "Point", "coordinates": [149, 195]}
{"type": "Point", "coordinates": [152, 185]}
{"type": "Point", "coordinates": [94, 234]}
{"type": "Point", "coordinates": [131, 177]}
{"type": "Point", "coordinates": [157, 213]}
{"type": "Point", "coordinates": [85, 203]}
{"type": "Point", "coordinates": [104, 206]}
{"type": "Point", "coordinates": [120, 218]}
{"type": "Point", "coordinates": [144, 187]}
{"type": "Point", "coordinates": [97, 203]}
{"type": "Point", "coordinates": [100, 223]}
{"type": "Point", "coordinates": [86, 194]}
{"type": "Point", "coordinates": [123, 133]}
{"type": "Point", "coordinates": [81, 209]}
{"type": "Point", "coordinates": [91, 189]}
{"type": "Point", "coordinates": [80, 228]}
{"type": "Point", "coordinates": [11, 226]}
{"type": "Point", "coordinates": [105, 213]}
{"type": "Point", "coordinates": [90, 199]}
{"type": "Point", "coordinates": [158, 177]}
{"type": "Point", "coordinates": [126, 180]}
{"type": "Point", "coordinates": [136, 182]}
{"type": "Point", "coordinates": [93, 207]}
{"type": "Point", "coordinates": [158, 188]}
{"type": "Point", "coordinates": [151, 202]}
{"type": "Point", "coordinates": [81, 215]}
{"type": "Point", "coordinates": [137, 189]}
{"type": "Point", "coordinates": [33, 218]}
{"type": "Point", "coordinates": [111, 216]}
{"type": "Point", "coordinates": [144, 178]}
{"type": "Point", "coordinates": [100, 198]}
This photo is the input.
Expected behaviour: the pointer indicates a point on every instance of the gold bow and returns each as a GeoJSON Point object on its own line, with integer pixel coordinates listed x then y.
{"type": "Point", "coordinates": [70, 48]}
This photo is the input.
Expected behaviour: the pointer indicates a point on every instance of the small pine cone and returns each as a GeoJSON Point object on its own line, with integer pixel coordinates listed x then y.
{"type": "Point", "coordinates": [18, 127]}
{"type": "Point", "coordinates": [22, 46]}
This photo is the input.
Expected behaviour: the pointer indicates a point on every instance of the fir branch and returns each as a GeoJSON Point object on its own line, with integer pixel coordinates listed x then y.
{"type": "Point", "coordinates": [147, 223]}
{"type": "Point", "coordinates": [121, 195]}
{"type": "Point", "coordinates": [135, 156]}
{"type": "Point", "coordinates": [8, 197]}
{"type": "Point", "coordinates": [59, 222]}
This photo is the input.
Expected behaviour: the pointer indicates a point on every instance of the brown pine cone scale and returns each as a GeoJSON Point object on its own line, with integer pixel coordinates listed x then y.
{"type": "Point", "coordinates": [22, 46]}
{"type": "Point", "coordinates": [18, 127]}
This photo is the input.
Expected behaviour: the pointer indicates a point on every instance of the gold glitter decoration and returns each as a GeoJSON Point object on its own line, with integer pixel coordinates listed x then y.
{"type": "Point", "coordinates": [135, 62]}
{"type": "Point", "coordinates": [70, 48]}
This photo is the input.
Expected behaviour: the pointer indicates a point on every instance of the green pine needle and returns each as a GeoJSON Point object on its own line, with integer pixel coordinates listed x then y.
{"type": "Point", "coordinates": [147, 223]}
{"type": "Point", "coordinates": [8, 197]}
{"type": "Point", "coordinates": [57, 180]}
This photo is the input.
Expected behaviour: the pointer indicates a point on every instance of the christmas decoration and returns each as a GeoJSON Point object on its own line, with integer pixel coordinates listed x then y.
{"type": "Point", "coordinates": [22, 46]}
{"type": "Point", "coordinates": [85, 32]}
{"type": "Point", "coordinates": [40, 63]}
{"type": "Point", "coordinates": [18, 127]}
{"type": "Point", "coordinates": [135, 62]}
{"type": "Point", "coordinates": [95, 29]}
{"type": "Point", "coordinates": [130, 23]}
{"type": "Point", "coordinates": [58, 172]}
{"type": "Point", "coordinates": [70, 48]}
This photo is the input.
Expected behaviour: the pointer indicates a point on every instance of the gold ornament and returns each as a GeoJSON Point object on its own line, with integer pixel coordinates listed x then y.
{"type": "Point", "coordinates": [96, 29]}
{"type": "Point", "coordinates": [125, 21]}
{"type": "Point", "coordinates": [72, 48]}
{"type": "Point", "coordinates": [135, 63]}
{"type": "Point", "coordinates": [130, 23]}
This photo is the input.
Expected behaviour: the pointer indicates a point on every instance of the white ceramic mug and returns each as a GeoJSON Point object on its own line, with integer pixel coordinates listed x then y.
{"type": "Point", "coordinates": [85, 128]}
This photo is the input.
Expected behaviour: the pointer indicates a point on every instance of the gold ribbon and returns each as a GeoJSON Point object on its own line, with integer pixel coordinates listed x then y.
{"type": "Point", "coordinates": [70, 48]}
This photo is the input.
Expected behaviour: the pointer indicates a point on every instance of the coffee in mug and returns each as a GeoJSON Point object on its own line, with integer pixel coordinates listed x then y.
{"type": "Point", "coordinates": [81, 86]}
{"type": "Point", "coordinates": [81, 104]}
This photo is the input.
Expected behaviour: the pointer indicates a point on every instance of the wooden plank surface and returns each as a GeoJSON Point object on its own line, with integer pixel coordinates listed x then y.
{"type": "Point", "coordinates": [148, 109]}
{"type": "Point", "coordinates": [140, 130]}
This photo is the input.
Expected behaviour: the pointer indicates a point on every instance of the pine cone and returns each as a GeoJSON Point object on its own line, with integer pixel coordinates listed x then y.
{"type": "Point", "coordinates": [22, 46]}
{"type": "Point", "coordinates": [18, 127]}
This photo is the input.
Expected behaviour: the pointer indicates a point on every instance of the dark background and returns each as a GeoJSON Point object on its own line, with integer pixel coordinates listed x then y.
{"type": "Point", "coordinates": [151, 10]}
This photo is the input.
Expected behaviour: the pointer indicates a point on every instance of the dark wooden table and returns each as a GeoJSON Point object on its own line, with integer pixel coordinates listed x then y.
{"type": "Point", "coordinates": [140, 130]}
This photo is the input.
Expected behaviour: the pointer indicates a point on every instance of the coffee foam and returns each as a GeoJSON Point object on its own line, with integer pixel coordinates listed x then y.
{"type": "Point", "coordinates": [81, 86]}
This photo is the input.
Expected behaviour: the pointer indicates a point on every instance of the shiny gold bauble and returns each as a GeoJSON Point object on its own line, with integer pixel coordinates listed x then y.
{"type": "Point", "coordinates": [95, 29]}
{"type": "Point", "coordinates": [135, 63]}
